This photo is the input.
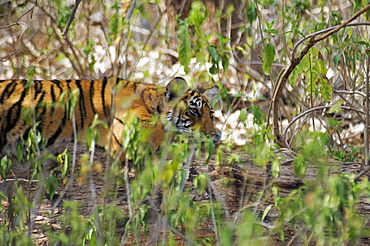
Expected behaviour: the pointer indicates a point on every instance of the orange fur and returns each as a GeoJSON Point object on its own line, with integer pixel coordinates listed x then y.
{"type": "Point", "coordinates": [112, 105]}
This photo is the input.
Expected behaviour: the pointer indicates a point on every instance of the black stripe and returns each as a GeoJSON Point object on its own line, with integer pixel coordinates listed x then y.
{"type": "Point", "coordinates": [52, 139]}
{"type": "Point", "coordinates": [14, 112]}
{"type": "Point", "coordinates": [82, 104]}
{"type": "Point", "coordinates": [9, 88]}
{"type": "Point", "coordinates": [53, 99]}
{"type": "Point", "coordinates": [91, 93]}
{"type": "Point", "coordinates": [134, 86]}
{"type": "Point", "coordinates": [120, 121]}
{"type": "Point", "coordinates": [56, 81]}
{"type": "Point", "coordinates": [105, 107]}
{"type": "Point", "coordinates": [127, 83]}
{"type": "Point", "coordinates": [3, 141]}
{"type": "Point", "coordinates": [117, 140]}
{"type": "Point", "coordinates": [37, 86]}
{"type": "Point", "coordinates": [41, 114]}
{"type": "Point", "coordinates": [55, 95]}
{"type": "Point", "coordinates": [158, 109]}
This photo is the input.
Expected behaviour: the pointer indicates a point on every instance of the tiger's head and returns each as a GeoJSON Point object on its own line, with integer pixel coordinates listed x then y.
{"type": "Point", "coordinates": [191, 110]}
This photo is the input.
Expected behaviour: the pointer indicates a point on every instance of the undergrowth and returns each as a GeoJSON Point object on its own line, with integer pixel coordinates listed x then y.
{"type": "Point", "coordinates": [324, 99]}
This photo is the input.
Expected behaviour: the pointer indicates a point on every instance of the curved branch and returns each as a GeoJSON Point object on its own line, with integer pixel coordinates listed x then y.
{"type": "Point", "coordinates": [324, 31]}
{"type": "Point", "coordinates": [315, 109]}
{"type": "Point", "coordinates": [285, 73]}
{"type": "Point", "coordinates": [349, 92]}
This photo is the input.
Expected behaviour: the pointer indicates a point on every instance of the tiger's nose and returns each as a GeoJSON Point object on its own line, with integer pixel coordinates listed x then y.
{"type": "Point", "coordinates": [216, 136]}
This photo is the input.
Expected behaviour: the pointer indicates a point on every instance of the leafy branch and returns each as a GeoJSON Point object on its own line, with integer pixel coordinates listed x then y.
{"type": "Point", "coordinates": [295, 60]}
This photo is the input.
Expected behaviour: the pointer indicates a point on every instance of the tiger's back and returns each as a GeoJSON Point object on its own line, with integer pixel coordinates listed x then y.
{"type": "Point", "coordinates": [23, 103]}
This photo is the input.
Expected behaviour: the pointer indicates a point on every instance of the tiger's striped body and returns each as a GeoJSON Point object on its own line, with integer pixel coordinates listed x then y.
{"type": "Point", "coordinates": [174, 104]}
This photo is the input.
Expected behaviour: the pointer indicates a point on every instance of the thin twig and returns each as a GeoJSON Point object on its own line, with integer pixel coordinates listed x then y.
{"type": "Point", "coordinates": [349, 92]}
{"type": "Point", "coordinates": [367, 110]}
{"type": "Point", "coordinates": [71, 18]}
{"type": "Point", "coordinates": [78, 69]}
{"type": "Point", "coordinates": [30, 10]}
{"type": "Point", "coordinates": [10, 25]}
{"type": "Point", "coordinates": [146, 41]}
{"type": "Point", "coordinates": [25, 27]}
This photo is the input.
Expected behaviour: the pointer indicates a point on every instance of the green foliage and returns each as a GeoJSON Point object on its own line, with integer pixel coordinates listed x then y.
{"type": "Point", "coordinates": [19, 236]}
{"type": "Point", "coordinates": [64, 159]}
{"type": "Point", "coordinates": [195, 44]}
{"type": "Point", "coordinates": [88, 50]}
{"type": "Point", "coordinates": [268, 55]}
{"type": "Point", "coordinates": [315, 71]}
{"type": "Point", "coordinates": [326, 211]}
{"type": "Point", "coordinates": [249, 232]}
{"type": "Point", "coordinates": [5, 166]}
{"type": "Point", "coordinates": [75, 227]}
{"type": "Point", "coordinates": [252, 12]}
{"type": "Point", "coordinates": [311, 150]}
{"type": "Point", "coordinates": [69, 100]}
{"type": "Point", "coordinates": [184, 46]}
{"type": "Point", "coordinates": [117, 22]}
{"type": "Point", "coordinates": [63, 15]}
{"type": "Point", "coordinates": [259, 117]}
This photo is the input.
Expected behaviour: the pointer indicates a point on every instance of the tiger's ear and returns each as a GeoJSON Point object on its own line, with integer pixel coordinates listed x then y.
{"type": "Point", "coordinates": [211, 93]}
{"type": "Point", "coordinates": [176, 88]}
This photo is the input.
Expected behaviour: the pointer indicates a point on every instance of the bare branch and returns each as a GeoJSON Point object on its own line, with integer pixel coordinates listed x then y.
{"type": "Point", "coordinates": [25, 27]}
{"type": "Point", "coordinates": [71, 18]}
{"type": "Point", "coordinates": [316, 109]}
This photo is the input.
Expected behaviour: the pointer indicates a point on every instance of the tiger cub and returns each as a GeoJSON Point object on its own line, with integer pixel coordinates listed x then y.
{"type": "Point", "coordinates": [175, 107]}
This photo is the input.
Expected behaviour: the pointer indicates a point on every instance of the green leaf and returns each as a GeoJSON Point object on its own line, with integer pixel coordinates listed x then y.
{"type": "Point", "coordinates": [268, 55]}
{"type": "Point", "coordinates": [184, 46]}
{"type": "Point", "coordinates": [30, 74]}
{"type": "Point", "coordinates": [213, 69]}
{"type": "Point", "coordinates": [336, 60]}
{"type": "Point", "coordinates": [336, 108]}
{"type": "Point", "coordinates": [5, 165]}
{"type": "Point", "coordinates": [243, 115]}
{"type": "Point", "coordinates": [201, 182]}
{"type": "Point", "coordinates": [213, 52]}
{"type": "Point", "coordinates": [334, 122]}
{"type": "Point", "coordinates": [225, 62]}
{"type": "Point", "coordinates": [299, 166]}
{"type": "Point", "coordinates": [252, 12]}
{"type": "Point", "coordinates": [258, 114]}
{"type": "Point", "coordinates": [267, 209]}
{"type": "Point", "coordinates": [197, 14]}
{"type": "Point", "coordinates": [51, 184]}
